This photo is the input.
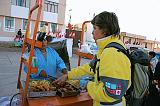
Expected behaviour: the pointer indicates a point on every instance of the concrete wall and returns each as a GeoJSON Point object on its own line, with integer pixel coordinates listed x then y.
{"type": "Point", "coordinates": [18, 22]}
{"type": "Point", "coordinates": [5, 7]}
{"type": "Point", "coordinates": [2, 32]}
{"type": "Point", "coordinates": [61, 11]}
{"type": "Point", "coordinates": [20, 12]}
{"type": "Point", "coordinates": [50, 17]}
{"type": "Point", "coordinates": [1, 23]}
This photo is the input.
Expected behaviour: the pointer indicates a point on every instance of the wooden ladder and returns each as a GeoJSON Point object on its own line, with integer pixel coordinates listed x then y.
{"type": "Point", "coordinates": [28, 41]}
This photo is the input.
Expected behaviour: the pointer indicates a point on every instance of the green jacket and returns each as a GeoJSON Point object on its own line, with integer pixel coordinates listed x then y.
{"type": "Point", "coordinates": [114, 72]}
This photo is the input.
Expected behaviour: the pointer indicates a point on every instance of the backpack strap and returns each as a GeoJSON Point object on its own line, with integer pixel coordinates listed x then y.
{"type": "Point", "coordinates": [119, 47]}
{"type": "Point", "coordinates": [123, 50]}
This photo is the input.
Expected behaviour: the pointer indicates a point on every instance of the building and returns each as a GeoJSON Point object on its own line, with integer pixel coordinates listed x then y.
{"type": "Point", "coordinates": [133, 40]}
{"type": "Point", "coordinates": [14, 16]}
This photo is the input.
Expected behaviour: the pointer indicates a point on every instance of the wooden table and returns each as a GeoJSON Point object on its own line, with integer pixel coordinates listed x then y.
{"type": "Point", "coordinates": [82, 100]}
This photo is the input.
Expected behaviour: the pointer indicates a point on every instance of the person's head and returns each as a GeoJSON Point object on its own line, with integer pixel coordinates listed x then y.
{"type": "Point", "coordinates": [46, 23]}
{"type": "Point", "coordinates": [152, 54]}
{"type": "Point", "coordinates": [19, 29]}
{"type": "Point", "coordinates": [44, 39]}
{"type": "Point", "coordinates": [105, 24]}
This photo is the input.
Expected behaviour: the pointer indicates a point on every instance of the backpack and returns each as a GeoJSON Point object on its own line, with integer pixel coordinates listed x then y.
{"type": "Point", "coordinates": [139, 68]}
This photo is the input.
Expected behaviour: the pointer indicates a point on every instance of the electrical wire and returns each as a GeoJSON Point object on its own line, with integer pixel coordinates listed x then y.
{"type": "Point", "coordinates": [12, 98]}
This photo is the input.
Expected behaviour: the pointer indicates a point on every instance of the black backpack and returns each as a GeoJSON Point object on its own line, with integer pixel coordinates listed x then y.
{"type": "Point", "coordinates": [139, 67]}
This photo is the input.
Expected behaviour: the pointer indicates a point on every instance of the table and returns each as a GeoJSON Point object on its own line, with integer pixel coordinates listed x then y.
{"type": "Point", "coordinates": [81, 100]}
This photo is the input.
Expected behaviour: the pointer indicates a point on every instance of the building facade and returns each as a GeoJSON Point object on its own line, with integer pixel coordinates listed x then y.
{"type": "Point", "coordinates": [14, 16]}
{"type": "Point", "coordinates": [129, 39]}
{"type": "Point", "coordinates": [133, 40]}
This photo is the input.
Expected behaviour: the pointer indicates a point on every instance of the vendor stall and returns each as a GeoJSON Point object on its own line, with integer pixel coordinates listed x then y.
{"type": "Point", "coordinates": [43, 92]}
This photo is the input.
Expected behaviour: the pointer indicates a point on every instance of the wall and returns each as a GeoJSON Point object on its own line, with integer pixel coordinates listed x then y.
{"type": "Point", "coordinates": [61, 11]}
{"type": "Point", "coordinates": [5, 7]}
{"type": "Point", "coordinates": [6, 33]}
{"type": "Point", "coordinates": [20, 12]}
{"type": "Point", "coordinates": [18, 25]}
{"type": "Point", "coordinates": [50, 17]}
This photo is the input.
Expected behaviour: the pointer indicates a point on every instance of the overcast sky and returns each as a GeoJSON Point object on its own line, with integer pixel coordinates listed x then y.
{"type": "Point", "coordinates": [140, 17]}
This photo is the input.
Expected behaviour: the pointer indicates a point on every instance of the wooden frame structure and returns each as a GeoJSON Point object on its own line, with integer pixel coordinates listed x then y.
{"type": "Point", "coordinates": [84, 99]}
{"type": "Point", "coordinates": [27, 41]}
{"type": "Point", "coordinates": [81, 54]}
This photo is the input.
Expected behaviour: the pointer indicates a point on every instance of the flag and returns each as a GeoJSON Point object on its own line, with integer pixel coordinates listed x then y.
{"type": "Point", "coordinates": [70, 26]}
{"type": "Point", "coordinates": [69, 19]}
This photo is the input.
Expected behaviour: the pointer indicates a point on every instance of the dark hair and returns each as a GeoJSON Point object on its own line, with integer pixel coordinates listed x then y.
{"type": "Point", "coordinates": [49, 38]}
{"type": "Point", "coordinates": [46, 23]}
{"type": "Point", "coordinates": [42, 37]}
{"type": "Point", "coordinates": [152, 53]}
{"type": "Point", "coordinates": [108, 22]}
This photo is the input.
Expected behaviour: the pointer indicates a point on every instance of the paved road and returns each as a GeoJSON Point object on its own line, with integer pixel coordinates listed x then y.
{"type": "Point", "coordinates": [9, 66]}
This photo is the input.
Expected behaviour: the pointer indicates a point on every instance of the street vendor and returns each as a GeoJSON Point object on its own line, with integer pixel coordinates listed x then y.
{"type": "Point", "coordinates": [49, 63]}
{"type": "Point", "coordinates": [112, 74]}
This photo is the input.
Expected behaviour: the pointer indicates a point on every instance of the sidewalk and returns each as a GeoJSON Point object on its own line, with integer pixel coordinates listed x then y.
{"type": "Point", "coordinates": [9, 66]}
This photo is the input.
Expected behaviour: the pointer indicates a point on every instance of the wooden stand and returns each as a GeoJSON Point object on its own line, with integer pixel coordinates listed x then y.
{"type": "Point", "coordinates": [81, 54]}
{"type": "Point", "coordinates": [81, 100]}
{"type": "Point", "coordinates": [33, 43]}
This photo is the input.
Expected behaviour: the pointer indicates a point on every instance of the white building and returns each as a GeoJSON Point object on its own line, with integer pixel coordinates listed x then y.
{"type": "Point", "coordinates": [14, 16]}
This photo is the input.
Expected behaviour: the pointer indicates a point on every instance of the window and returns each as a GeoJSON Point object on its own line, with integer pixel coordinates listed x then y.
{"type": "Point", "coordinates": [54, 27]}
{"type": "Point", "coordinates": [9, 24]}
{"type": "Point", "coordinates": [56, 8]}
{"type": "Point", "coordinates": [41, 25]}
{"type": "Point", "coordinates": [51, 7]}
{"type": "Point", "coordinates": [24, 23]}
{"type": "Point", "coordinates": [129, 40]}
{"type": "Point", "coordinates": [23, 3]}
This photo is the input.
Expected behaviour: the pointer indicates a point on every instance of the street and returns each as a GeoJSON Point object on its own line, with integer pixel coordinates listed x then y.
{"type": "Point", "coordinates": [9, 66]}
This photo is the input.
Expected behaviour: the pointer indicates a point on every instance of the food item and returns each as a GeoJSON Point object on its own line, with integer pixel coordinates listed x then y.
{"type": "Point", "coordinates": [41, 85]}
{"type": "Point", "coordinates": [66, 87]}
{"type": "Point", "coordinates": [75, 83]}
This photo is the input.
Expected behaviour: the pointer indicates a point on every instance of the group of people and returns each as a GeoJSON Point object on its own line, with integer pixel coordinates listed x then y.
{"type": "Point", "coordinates": [19, 36]}
{"type": "Point", "coordinates": [114, 75]}
{"type": "Point", "coordinates": [112, 72]}
{"type": "Point", "coordinates": [18, 40]}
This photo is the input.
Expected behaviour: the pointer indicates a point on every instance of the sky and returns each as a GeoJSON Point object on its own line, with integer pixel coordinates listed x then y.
{"type": "Point", "coordinates": [141, 17]}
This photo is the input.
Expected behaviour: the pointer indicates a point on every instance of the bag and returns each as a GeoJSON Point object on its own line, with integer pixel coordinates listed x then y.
{"type": "Point", "coordinates": [139, 75]}
{"type": "Point", "coordinates": [61, 49]}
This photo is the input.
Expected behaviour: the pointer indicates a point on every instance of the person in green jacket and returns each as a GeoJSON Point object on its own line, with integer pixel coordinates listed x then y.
{"type": "Point", "coordinates": [112, 75]}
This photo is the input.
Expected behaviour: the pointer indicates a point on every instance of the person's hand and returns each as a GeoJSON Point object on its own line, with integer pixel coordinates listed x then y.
{"type": "Point", "coordinates": [43, 74]}
{"type": "Point", "coordinates": [62, 79]}
{"type": "Point", "coordinates": [64, 71]}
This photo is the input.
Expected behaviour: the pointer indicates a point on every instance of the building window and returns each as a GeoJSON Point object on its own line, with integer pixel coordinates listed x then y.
{"type": "Point", "coordinates": [51, 6]}
{"type": "Point", "coordinates": [42, 23]}
{"type": "Point", "coordinates": [54, 27]}
{"type": "Point", "coordinates": [9, 24]}
{"type": "Point", "coordinates": [24, 24]}
{"type": "Point", "coordinates": [129, 40]}
{"type": "Point", "coordinates": [23, 3]}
